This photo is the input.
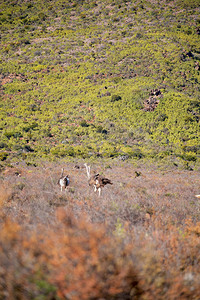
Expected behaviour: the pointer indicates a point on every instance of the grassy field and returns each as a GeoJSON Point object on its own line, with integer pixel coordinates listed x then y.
{"type": "Point", "coordinates": [139, 240]}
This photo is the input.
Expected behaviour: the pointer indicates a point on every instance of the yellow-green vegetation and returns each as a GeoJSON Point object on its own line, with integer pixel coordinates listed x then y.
{"type": "Point", "coordinates": [75, 76]}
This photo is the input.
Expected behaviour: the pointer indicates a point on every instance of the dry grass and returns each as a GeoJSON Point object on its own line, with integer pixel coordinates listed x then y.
{"type": "Point", "coordinates": [152, 218]}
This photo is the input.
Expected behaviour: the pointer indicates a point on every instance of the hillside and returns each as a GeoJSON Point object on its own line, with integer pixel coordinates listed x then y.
{"type": "Point", "coordinates": [101, 78]}
{"type": "Point", "coordinates": [114, 84]}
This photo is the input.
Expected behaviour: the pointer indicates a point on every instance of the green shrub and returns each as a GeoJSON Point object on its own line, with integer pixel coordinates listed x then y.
{"type": "Point", "coordinates": [3, 156]}
{"type": "Point", "coordinates": [194, 149]}
{"type": "Point", "coordinates": [189, 156]}
{"type": "Point", "coordinates": [84, 123]}
{"type": "Point", "coordinates": [137, 154]}
{"type": "Point", "coordinates": [3, 145]}
{"type": "Point", "coordinates": [12, 133]}
{"type": "Point", "coordinates": [115, 98]}
{"type": "Point", "coordinates": [62, 151]}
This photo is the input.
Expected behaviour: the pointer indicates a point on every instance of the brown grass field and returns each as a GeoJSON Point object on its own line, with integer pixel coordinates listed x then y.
{"type": "Point", "coordinates": [139, 240]}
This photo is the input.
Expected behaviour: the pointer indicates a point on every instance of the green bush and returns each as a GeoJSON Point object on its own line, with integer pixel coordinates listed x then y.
{"type": "Point", "coordinates": [12, 133]}
{"type": "Point", "coordinates": [115, 98]}
{"type": "Point", "coordinates": [189, 156]}
{"type": "Point", "coordinates": [3, 145]}
{"type": "Point", "coordinates": [3, 156]}
{"type": "Point", "coordinates": [62, 151]}
{"type": "Point", "coordinates": [84, 123]}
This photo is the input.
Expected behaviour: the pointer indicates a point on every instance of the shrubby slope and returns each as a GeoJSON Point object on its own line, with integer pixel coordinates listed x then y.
{"type": "Point", "coordinates": [101, 78]}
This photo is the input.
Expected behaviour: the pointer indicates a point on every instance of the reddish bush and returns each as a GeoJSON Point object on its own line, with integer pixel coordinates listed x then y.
{"type": "Point", "coordinates": [73, 260]}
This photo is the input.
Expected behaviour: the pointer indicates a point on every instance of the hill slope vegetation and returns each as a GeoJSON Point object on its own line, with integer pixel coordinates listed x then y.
{"type": "Point", "coordinates": [101, 78]}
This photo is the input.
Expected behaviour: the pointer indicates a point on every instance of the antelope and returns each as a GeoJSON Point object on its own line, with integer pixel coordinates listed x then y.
{"type": "Point", "coordinates": [63, 181]}
{"type": "Point", "coordinates": [97, 181]}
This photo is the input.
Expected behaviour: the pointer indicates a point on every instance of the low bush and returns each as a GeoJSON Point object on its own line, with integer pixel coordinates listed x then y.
{"type": "Point", "coordinates": [74, 261]}
{"type": "Point", "coordinates": [3, 156]}
{"type": "Point", "coordinates": [115, 98]}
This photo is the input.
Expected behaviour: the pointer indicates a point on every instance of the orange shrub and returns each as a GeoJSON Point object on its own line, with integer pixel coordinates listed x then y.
{"type": "Point", "coordinates": [73, 260]}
